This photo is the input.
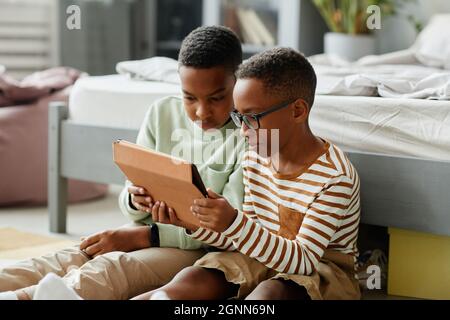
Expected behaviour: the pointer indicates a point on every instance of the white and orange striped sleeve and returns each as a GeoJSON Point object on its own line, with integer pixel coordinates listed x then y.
{"type": "Point", "coordinates": [247, 206]}
{"type": "Point", "coordinates": [218, 240]}
{"type": "Point", "coordinates": [302, 254]}
{"type": "Point", "coordinates": [213, 238]}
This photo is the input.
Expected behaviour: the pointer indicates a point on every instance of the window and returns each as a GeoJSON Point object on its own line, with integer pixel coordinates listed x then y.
{"type": "Point", "coordinates": [27, 41]}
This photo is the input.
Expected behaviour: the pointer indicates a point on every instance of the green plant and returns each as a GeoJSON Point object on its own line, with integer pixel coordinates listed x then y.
{"type": "Point", "coordinates": [350, 16]}
{"type": "Point", "coordinates": [417, 24]}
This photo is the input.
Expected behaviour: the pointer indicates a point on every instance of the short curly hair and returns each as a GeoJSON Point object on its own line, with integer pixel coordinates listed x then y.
{"type": "Point", "coordinates": [285, 72]}
{"type": "Point", "coordinates": [211, 46]}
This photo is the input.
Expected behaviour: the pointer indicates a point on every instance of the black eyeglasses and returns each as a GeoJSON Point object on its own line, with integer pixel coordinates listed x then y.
{"type": "Point", "coordinates": [251, 120]}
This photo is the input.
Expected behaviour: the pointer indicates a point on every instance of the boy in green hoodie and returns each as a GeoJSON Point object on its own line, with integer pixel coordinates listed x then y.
{"type": "Point", "coordinates": [121, 263]}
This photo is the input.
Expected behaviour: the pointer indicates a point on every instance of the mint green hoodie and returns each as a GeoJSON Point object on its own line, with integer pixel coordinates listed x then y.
{"type": "Point", "coordinates": [217, 155]}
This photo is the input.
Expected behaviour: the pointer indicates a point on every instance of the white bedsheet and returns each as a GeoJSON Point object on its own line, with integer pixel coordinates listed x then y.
{"type": "Point", "coordinates": [410, 81]}
{"type": "Point", "coordinates": [115, 100]}
{"type": "Point", "coordinates": [420, 72]}
{"type": "Point", "coordinates": [394, 75]}
{"type": "Point", "coordinates": [410, 127]}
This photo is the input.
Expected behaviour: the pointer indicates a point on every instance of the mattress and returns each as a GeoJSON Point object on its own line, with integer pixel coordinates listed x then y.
{"type": "Point", "coordinates": [115, 100]}
{"type": "Point", "coordinates": [406, 127]}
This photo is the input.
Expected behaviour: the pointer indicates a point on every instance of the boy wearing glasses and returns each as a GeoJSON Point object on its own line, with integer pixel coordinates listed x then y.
{"type": "Point", "coordinates": [296, 236]}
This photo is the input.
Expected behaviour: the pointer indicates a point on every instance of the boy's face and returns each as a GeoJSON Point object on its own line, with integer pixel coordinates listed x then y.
{"type": "Point", "coordinates": [250, 97]}
{"type": "Point", "coordinates": [207, 95]}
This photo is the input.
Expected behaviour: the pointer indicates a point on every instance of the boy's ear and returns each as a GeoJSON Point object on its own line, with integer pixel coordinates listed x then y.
{"type": "Point", "coordinates": [300, 111]}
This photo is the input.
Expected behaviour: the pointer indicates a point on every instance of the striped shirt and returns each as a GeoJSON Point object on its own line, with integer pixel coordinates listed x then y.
{"type": "Point", "coordinates": [288, 222]}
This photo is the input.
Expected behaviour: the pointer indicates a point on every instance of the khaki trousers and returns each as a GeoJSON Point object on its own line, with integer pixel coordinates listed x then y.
{"type": "Point", "coordinates": [112, 276]}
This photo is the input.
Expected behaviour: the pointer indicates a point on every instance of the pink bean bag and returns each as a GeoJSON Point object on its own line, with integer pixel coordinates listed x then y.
{"type": "Point", "coordinates": [23, 154]}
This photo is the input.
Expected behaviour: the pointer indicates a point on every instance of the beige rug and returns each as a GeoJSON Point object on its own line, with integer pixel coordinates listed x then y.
{"type": "Point", "coordinates": [18, 245]}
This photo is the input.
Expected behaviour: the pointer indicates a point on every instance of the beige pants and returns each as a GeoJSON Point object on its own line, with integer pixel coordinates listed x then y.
{"type": "Point", "coordinates": [114, 276]}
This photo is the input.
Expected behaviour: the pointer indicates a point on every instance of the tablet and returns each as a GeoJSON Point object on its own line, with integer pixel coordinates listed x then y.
{"type": "Point", "coordinates": [175, 181]}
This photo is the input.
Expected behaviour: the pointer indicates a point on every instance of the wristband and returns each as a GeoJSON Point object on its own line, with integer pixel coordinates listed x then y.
{"type": "Point", "coordinates": [154, 235]}
{"type": "Point", "coordinates": [130, 203]}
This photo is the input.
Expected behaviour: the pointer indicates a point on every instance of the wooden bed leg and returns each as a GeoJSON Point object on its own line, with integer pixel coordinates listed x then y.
{"type": "Point", "coordinates": [57, 184]}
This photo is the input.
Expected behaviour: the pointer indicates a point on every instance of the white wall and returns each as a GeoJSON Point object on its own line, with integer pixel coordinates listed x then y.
{"type": "Point", "coordinates": [397, 32]}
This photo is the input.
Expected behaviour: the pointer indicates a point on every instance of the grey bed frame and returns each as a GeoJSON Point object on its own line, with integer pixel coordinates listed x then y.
{"type": "Point", "coordinates": [401, 192]}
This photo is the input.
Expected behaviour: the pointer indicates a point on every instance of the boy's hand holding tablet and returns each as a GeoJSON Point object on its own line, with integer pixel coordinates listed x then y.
{"type": "Point", "coordinates": [214, 212]}
{"type": "Point", "coordinates": [155, 177]}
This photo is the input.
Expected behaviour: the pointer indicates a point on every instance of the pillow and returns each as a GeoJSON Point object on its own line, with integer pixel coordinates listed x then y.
{"type": "Point", "coordinates": [153, 69]}
{"type": "Point", "coordinates": [432, 47]}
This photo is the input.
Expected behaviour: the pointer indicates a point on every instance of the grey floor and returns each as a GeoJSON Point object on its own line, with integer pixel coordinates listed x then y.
{"type": "Point", "coordinates": [90, 217]}
{"type": "Point", "coordinates": [83, 218]}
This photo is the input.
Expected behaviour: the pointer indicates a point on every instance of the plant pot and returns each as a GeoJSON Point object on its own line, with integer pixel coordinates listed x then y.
{"type": "Point", "coordinates": [349, 47]}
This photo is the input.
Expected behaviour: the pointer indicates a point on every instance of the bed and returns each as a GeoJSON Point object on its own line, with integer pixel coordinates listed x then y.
{"type": "Point", "coordinates": [401, 147]}
{"type": "Point", "coordinates": [400, 127]}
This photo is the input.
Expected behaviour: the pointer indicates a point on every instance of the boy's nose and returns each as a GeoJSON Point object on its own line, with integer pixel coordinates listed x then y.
{"type": "Point", "coordinates": [244, 130]}
{"type": "Point", "coordinates": [203, 112]}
